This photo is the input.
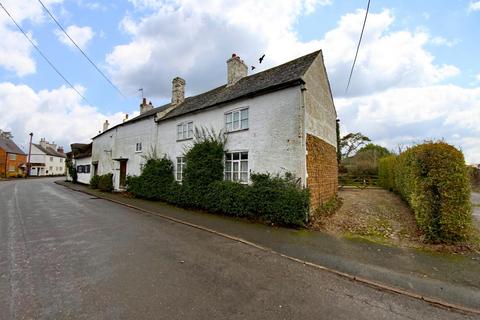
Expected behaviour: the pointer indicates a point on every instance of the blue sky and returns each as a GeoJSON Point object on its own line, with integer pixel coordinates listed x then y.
{"type": "Point", "coordinates": [417, 77]}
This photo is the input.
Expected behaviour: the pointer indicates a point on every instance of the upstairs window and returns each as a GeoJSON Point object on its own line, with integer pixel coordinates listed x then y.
{"type": "Point", "coordinates": [79, 169]}
{"type": "Point", "coordinates": [61, 160]}
{"type": "Point", "coordinates": [87, 168]}
{"type": "Point", "coordinates": [236, 167]}
{"type": "Point", "coordinates": [185, 130]}
{"type": "Point", "coordinates": [51, 158]}
{"type": "Point", "coordinates": [180, 166]}
{"type": "Point", "coordinates": [236, 120]}
{"type": "Point", "coordinates": [12, 156]}
{"type": "Point", "coordinates": [138, 147]}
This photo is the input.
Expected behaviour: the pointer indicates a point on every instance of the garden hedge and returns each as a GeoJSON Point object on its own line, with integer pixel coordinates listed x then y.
{"type": "Point", "coordinates": [433, 179]}
{"type": "Point", "coordinates": [269, 198]}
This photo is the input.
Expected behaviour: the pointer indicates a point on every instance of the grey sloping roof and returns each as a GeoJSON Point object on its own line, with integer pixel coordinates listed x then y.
{"type": "Point", "coordinates": [284, 75]}
{"type": "Point", "coordinates": [147, 114]}
{"type": "Point", "coordinates": [50, 151]}
{"type": "Point", "coordinates": [9, 146]}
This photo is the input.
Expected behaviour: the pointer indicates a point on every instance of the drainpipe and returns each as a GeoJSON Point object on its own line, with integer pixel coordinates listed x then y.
{"type": "Point", "coordinates": [29, 165]}
{"type": "Point", "coordinates": [303, 88]}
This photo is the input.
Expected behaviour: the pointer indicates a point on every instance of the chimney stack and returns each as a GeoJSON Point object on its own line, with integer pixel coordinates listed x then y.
{"type": "Point", "coordinates": [144, 107]}
{"type": "Point", "coordinates": [60, 149]}
{"type": "Point", "coordinates": [105, 125]}
{"type": "Point", "coordinates": [178, 91]}
{"type": "Point", "coordinates": [236, 69]}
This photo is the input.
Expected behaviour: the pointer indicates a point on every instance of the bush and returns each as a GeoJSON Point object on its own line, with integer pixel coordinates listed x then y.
{"type": "Point", "coordinates": [432, 178]}
{"type": "Point", "coordinates": [275, 199]}
{"type": "Point", "coordinates": [94, 181]}
{"type": "Point", "coordinates": [105, 182]}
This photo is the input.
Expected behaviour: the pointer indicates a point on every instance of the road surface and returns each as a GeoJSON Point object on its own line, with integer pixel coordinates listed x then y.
{"type": "Point", "coordinates": [67, 255]}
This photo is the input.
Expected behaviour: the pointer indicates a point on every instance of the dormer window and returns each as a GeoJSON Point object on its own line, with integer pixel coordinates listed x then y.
{"type": "Point", "coordinates": [185, 130]}
{"type": "Point", "coordinates": [236, 120]}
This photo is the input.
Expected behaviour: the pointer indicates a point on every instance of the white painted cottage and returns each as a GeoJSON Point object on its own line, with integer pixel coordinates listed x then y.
{"type": "Point", "coordinates": [81, 157]}
{"type": "Point", "coordinates": [280, 120]}
{"type": "Point", "coordinates": [46, 159]}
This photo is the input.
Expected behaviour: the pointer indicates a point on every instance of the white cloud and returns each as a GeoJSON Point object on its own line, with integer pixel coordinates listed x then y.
{"type": "Point", "coordinates": [15, 50]}
{"type": "Point", "coordinates": [409, 115]}
{"type": "Point", "coordinates": [441, 41]}
{"type": "Point", "coordinates": [81, 35]}
{"type": "Point", "coordinates": [474, 6]}
{"type": "Point", "coordinates": [193, 41]}
{"type": "Point", "coordinates": [57, 115]}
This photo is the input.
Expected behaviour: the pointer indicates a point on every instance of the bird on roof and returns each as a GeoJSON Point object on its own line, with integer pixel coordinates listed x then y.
{"type": "Point", "coordinates": [261, 58]}
{"type": "Point", "coordinates": [253, 68]}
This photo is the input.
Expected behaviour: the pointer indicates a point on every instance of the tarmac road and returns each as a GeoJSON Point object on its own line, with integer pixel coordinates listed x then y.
{"type": "Point", "coordinates": [67, 255]}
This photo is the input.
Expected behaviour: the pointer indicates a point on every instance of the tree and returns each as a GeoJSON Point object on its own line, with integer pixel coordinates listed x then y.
{"type": "Point", "coordinates": [351, 142]}
{"type": "Point", "coordinates": [365, 161]}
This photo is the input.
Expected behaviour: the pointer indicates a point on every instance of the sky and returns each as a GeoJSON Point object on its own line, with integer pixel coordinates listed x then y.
{"type": "Point", "coordinates": [417, 76]}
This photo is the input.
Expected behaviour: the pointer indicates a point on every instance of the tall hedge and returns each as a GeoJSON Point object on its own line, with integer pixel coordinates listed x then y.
{"type": "Point", "coordinates": [433, 179]}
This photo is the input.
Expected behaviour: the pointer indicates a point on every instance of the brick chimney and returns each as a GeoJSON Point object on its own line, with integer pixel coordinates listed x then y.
{"type": "Point", "coordinates": [144, 106]}
{"type": "Point", "coordinates": [236, 69]}
{"type": "Point", "coordinates": [178, 91]}
{"type": "Point", "coordinates": [60, 149]}
{"type": "Point", "coordinates": [105, 125]}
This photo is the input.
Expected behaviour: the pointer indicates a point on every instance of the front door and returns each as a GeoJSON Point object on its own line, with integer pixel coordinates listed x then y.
{"type": "Point", "coordinates": [123, 173]}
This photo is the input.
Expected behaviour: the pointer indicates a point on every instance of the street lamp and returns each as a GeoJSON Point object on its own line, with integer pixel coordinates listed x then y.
{"type": "Point", "coordinates": [29, 165]}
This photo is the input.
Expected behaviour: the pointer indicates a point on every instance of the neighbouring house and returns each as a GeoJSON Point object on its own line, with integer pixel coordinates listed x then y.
{"type": "Point", "coordinates": [46, 159]}
{"type": "Point", "coordinates": [279, 120]}
{"type": "Point", "coordinates": [12, 159]}
{"type": "Point", "coordinates": [81, 158]}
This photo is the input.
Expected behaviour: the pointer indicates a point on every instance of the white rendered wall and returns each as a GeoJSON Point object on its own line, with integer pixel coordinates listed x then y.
{"type": "Point", "coordinates": [320, 117]}
{"type": "Point", "coordinates": [84, 177]}
{"type": "Point", "coordinates": [273, 140]}
{"type": "Point", "coordinates": [54, 165]}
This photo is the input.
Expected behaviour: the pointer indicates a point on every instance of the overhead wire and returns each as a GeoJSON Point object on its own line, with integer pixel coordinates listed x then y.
{"type": "Point", "coordinates": [43, 55]}
{"type": "Point", "coordinates": [358, 47]}
{"type": "Point", "coordinates": [80, 49]}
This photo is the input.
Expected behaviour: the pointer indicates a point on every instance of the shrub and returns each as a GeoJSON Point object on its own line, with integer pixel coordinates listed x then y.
{"type": "Point", "coordinates": [105, 182]}
{"type": "Point", "coordinates": [275, 199]}
{"type": "Point", "coordinates": [432, 178]}
{"type": "Point", "coordinates": [94, 181]}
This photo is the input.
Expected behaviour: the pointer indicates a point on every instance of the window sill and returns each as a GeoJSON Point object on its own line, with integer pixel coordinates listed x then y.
{"type": "Point", "coordinates": [180, 140]}
{"type": "Point", "coordinates": [235, 131]}
{"type": "Point", "coordinates": [138, 151]}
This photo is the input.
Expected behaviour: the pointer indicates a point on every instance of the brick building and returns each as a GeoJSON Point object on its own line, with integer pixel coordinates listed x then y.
{"type": "Point", "coordinates": [12, 159]}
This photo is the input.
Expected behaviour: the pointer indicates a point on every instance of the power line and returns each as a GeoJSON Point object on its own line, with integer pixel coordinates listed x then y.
{"type": "Point", "coordinates": [80, 49]}
{"type": "Point", "coordinates": [358, 47]}
{"type": "Point", "coordinates": [41, 53]}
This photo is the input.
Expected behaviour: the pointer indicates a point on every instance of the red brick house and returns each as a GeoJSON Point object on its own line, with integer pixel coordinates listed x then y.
{"type": "Point", "coordinates": [13, 160]}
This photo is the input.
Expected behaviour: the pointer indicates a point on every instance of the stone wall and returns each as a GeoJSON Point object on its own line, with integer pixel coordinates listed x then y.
{"type": "Point", "coordinates": [322, 170]}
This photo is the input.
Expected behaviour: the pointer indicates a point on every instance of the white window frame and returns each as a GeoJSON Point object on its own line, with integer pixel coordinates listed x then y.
{"type": "Point", "coordinates": [237, 120]}
{"type": "Point", "coordinates": [12, 156]}
{"type": "Point", "coordinates": [179, 168]}
{"type": "Point", "coordinates": [138, 147]}
{"type": "Point", "coordinates": [11, 168]}
{"type": "Point", "coordinates": [235, 169]}
{"type": "Point", "coordinates": [185, 130]}
{"type": "Point", "coordinates": [51, 159]}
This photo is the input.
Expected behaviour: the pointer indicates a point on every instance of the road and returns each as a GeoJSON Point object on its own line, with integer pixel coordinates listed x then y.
{"type": "Point", "coordinates": [67, 255]}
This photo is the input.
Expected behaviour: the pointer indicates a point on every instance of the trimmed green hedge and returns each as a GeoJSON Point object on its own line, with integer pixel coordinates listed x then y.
{"type": "Point", "coordinates": [433, 179]}
{"type": "Point", "coordinates": [94, 181]}
{"type": "Point", "coordinates": [277, 200]}
{"type": "Point", "coordinates": [105, 182]}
